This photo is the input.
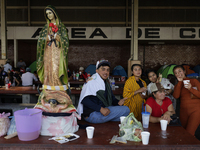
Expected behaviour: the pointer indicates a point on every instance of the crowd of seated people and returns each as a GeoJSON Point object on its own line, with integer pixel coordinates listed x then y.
{"type": "Point", "coordinates": [160, 98]}
{"type": "Point", "coordinates": [19, 76]}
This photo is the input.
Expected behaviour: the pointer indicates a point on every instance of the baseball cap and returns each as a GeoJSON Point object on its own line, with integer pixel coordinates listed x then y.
{"type": "Point", "coordinates": [28, 69]}
{"type": "Point", "coordinates": [81, 68]}
{"type": "Point", "coordinates": [101, 62]}
{"type": "Point", "coordinates": [156, 87]}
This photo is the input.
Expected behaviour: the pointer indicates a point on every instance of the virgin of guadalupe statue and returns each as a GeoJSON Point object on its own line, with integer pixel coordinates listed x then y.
{"type": "Point", "coordinates": [52, 62]}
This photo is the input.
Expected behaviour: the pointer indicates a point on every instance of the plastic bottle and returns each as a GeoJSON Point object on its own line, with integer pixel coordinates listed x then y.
{"type": "Point", "coordinates": [74, 75]}
{"type": "Point", "coordinates": [9, 84]}
{"type": "Point", "coordinates": [110, 81]}
{"type": "Point", "coordinates": [77, 76]}
{"type": "Point", "coordinates": [88, 75]}
{"type": "Point", "coordinates": [113, 84]}
{"type": "Point", "coordinates": [13, 84]}
{"type": "Point", "coordinates": [6, 80]}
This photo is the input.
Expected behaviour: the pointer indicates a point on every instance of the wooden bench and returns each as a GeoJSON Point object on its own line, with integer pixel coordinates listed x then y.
{"type": "Point", "coordinates": [29, 95]}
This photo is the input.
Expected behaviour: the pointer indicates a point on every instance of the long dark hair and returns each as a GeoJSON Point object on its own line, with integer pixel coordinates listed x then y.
{"type": "Point", "coordinates": [178, 66]}
{"type": "Point", "coordinates": [52, 12]}
{"type": "Point", "coordinates": [149, 71]}
{"type": "Point", "coordinates": [10, 76]}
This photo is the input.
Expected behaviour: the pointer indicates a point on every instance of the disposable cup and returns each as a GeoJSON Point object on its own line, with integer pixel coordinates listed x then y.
{"type": "Point", "coordinates": [90, 132]}
{"type": "Point", "coordinates": [145, 119]}
{"type": "Point", "coordinates": [145, 137]}
{"type": "Point", "coordinates": [186, 82]}
{"type": "Point", "coordinates": [122, 118]}
{"type": "Point", "coordinates": [163, 124]}
{"type": "Point", "coordinates": [144, 93]}
{"type": "Point", "coordinates": [123, 78]}
{"type": "Point", "coordinates": [6, 86]}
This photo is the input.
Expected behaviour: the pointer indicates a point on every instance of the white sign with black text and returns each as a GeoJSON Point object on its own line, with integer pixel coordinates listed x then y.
{"type": "Point", "coordinates": [112, 33]}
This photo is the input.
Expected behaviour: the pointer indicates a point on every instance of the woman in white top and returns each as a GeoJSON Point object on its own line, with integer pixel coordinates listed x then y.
{"type": "Point", "coordinates": [167, 85]}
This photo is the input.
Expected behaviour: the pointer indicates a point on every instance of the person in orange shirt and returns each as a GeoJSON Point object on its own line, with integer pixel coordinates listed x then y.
{"type": "Point", "coordinates": [190, 107]}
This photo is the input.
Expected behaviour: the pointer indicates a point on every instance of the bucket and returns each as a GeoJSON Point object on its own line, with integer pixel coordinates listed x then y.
{"type": "Point", "coordinates": [28, 123]}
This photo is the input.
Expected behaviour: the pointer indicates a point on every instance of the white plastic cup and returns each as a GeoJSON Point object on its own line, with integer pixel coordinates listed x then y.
{"type": "Point", "coordinates": [163, 124]}
{"type": "Point", "coordinates": [90, 132]}
{"type": "Point", "coordinates": [122, 118]}
{"type": "Point", "coordinates": [144, 93]}
{"type": "Point", "coordinates": [145, 137]}
{"type": "Point", "coordinates": [6, 86]}
{"type": "Point", "coordinates": [145, 119]}
{"type": "Point", "coordinates": [186, 82]}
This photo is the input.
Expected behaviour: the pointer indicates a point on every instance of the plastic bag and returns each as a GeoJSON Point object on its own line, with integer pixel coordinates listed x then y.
{"type": "Point", "coordinates": [131, 129]}
{"type": "Point", "coordinates": [117, 139]}
{"type": "Point", "coordinates": [12, 129]}
{"type": "Point", "coordinates": [4, 123]}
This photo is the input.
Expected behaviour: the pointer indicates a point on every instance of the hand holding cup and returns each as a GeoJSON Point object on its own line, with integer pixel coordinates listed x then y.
{"type": "Point", "coordinates": [187, 84]}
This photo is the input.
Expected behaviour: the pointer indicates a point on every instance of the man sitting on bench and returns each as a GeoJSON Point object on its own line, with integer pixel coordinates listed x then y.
{"type": "Point", "coordinates": [28, 77]}
{"type": "Point", "coordinates": [97, 104]}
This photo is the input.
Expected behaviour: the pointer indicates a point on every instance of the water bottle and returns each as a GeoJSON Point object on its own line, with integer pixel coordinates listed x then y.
{"type": "Point", "coordinates": [88, 75]}
{"type": "Point", "coordinates": [6, 80]}
{"type": "Point", "coordinates": [13, 84]}
{"type": "Point", "coordinates": [77, 76]}
{"type": "Point", "coordinates": [113, 84]}
{"type": "Point", "coordinates": [74, 75]}
{"type": "Point", "coordinates": [110, 81]}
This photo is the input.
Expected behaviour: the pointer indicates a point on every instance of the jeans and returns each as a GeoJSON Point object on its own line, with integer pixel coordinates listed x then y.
{"type": "Point", "coordinates": [115, 113]}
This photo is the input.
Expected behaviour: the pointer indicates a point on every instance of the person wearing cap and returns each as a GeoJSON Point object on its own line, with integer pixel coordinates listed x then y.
{"type": "Point", "coordinates": [7, 66]}
{"type": "Point", "coordinates": [133, 89]}
{"type": "Point", "coordinates": [97, 104]}
{"type": "Point", "coordinates": [28, 77]}
{"type": "Point", "coordinates": [168, 86]}
{"type": "Point", "coordinates": [159, 106]}
{"type": "Point", "coordinates": [189, 96]}
{"type": "Point", "coordinates": [82, 73]}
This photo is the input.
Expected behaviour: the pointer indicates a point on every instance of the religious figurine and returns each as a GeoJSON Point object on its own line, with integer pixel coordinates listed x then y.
{"type": "Point", "coordinates": [52, 62]}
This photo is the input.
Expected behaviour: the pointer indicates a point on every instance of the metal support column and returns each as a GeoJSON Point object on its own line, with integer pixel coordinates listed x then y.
{"type": "Point", "coordinates": [3, 30]}
{"type": "Point", "coordinates": [135, 45]}
{"type": "Point", "coordinates": [134, 36]}
{"type": "Point", "coordinates": [15, 52]}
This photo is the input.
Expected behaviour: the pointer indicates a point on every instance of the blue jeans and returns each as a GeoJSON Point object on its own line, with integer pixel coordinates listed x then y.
{"type": "Point", "coordinates": [115, 113]}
